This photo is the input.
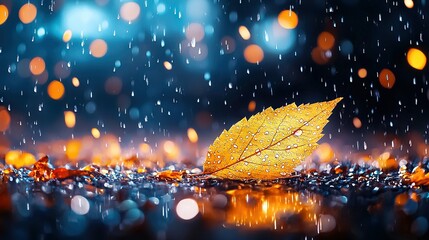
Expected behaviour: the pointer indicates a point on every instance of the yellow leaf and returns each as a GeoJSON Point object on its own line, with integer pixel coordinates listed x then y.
{"type": "Point", "coordinates": [270, 144]}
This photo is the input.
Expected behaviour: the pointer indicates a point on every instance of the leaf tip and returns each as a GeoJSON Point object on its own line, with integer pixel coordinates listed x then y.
{"type": "Point", "coordinates": [336, 100]}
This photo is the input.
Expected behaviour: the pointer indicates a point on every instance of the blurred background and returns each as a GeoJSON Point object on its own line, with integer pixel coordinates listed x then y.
{"type": "Point", "coordinates": [135, 76]}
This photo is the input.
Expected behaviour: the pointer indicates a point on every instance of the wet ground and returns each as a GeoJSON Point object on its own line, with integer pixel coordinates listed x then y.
{"type": "Point", "coordinates": [348, 201]}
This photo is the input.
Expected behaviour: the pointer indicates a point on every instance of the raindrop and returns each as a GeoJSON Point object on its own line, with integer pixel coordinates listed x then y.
{"type": "Point", "coordinates": [298, 132]}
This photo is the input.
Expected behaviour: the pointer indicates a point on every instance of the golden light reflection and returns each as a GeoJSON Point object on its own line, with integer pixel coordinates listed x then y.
{"type": "Point", "coordinates": [325, 152]}
{"type": "Point", "coordinates": [252, 106]}
{"type": "Point", "coordinates": [27, 13]}
{"type": "Point", "coordinates": [387, 78]}
{"type": "Point", "coordinates": [362, 73]}
{"type": "Point", "coordinates": [401, 199]}
{"type": "Point", "coordinates": [266, 208]}
{"type": "Point", "coordinates": [244, 32]}
{"type": "Point", "coordinates": [75, 82]}
{"type": "Point", "coordinates": [113, 147]}
{"type": "Point", "coordinates": [387, 161]}
{"type": "Point", "coordinates": [168, 65]}
{"type": "Point", "coordinates": [4, 14]}
{"type": "Point", "coordinates": [56, 90]}
{"type": "Point", "coordinates": [129, 11]}
{"type": "Point", "coordinates": [416, 58]}
{"type": "Point", "coordinates": [409, 3]}
{"type": "Point", "coordinates": [105, 151]}
{"type": "Point", "coordinates": [192, 135]}
{"type": "Point", "coordinates": [253, 54]}
{"type": "Point", "coordinates": [171, 150]}
{"type": "Point", "coordinates": [73, 149]}
{"type": "Point", "coordinates": [69, 119]}
{"type": "Point", "coordinates": [37, 66]}
{"type": "Point", "coordinates": [145, 148]}
{"type": "Point", "coordinates": [67, 35]}
{"type": "Point", "coordinates": [4, 119]}
{"type": "Point", "coordinates": [288, 19]}
{"type": "Point", "coordinates": [19, 159]}
{"type": "Point", "coordinates": [95, 133]}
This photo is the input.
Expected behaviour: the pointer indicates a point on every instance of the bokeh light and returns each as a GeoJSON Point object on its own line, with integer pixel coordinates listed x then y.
{"type": "Point", "coordinates": [130, 11]}
{"type": "Point", "coordinates": [79, 205]}
{"type": "Point", "coordinates": [199, 52]}
{"type": "Point", "coordinates": [197, 9]}
{"type": "Point", "coordinates": [171, 150]}
{"type": "Point", "coordinates": [288, 19]}
{"type": "Point", "coordinates": [326, 40]}
{"type": "Point", "coordinates": [73, 148]}
{"type": "Point", "coordinates": [27, 13]}
{"type": "Point", "coordinates": [4, 14]}
{"type": "Point", "coordinates": [75, 82]}
{"type": "Point", "coordinates": [228, 44]}
{"type": "Point", "coordinates": [320, 56]}
{"type": "Point", "coordinates": [244, 32]}
{"type": "Point", "coordinates": [42, 78]}
{"type": "Point", "coordinates": [274, 37]}
{"type": "Point", "coordinates": [327, 223]}
{"type": "Point", "coordinates": [195, 32]}
{"type": "Point", "coordinates": [62, 70]}
{"type": "Point", "coordinates": [387, 78]}
{"type": "Point", "coordinates": [324, 153]}
{"type": "Point", "coordinates": [357, 122]}
{"type": "Point", "coordinates": [84, 19]}
{"type": "Point", "coordinates": [95, 133]}
{"type": "Point", "coordinates": [4, 119]}
{"type": "Point", "coordinates": [192, 135]}
{"type": "Point", "coordinates": [409, 3]}
{"type": "Point", "coordinates": [37, 65]}
{"type": "Point", "coordinates": [98, 48]}
{"type": "Point", "coordinates": [251, 106]}
{"type": "Point", "coordinates": [69, 119]}
{"type": "Point", "coordinates": [362, 73]}
{"type": "Point", "coordinates": [113, 85]}
{"type": "Point", "coordinates": [67, 35]}
{"type": "Point", "coordinates": [253, 54]}
{"type": "Point", "coordinates": [145, 148]}
{"type": "Point", "coordinates": [187, 209]}
{"type": "Point", "coordinates": [416, 58]}
{"type": "Point", "coordinates": [56, 90]}
{"type": "Point", "coordinates": [19, 158]}
{"type": "Point", "coordinates": [168, 65]}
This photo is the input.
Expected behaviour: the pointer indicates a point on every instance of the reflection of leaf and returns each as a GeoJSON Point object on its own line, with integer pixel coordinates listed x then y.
{"type": "Point", "coordinates": [270, 208]}
{"type": "Point", "coordinates": [270, 144]}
